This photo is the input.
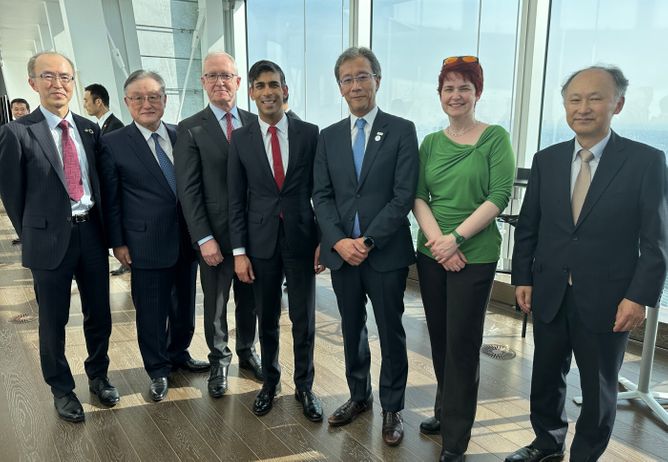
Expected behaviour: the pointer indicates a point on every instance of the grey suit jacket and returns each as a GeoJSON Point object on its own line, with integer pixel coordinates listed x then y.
{"type": "Point", "coordinates": [200, 162]}
{"type": "Point", "coordinates": [383, 196]}
{"type": "Point", "coordinates": [33, 189]}
{"type": "Point", "coordinates": [616, 250]}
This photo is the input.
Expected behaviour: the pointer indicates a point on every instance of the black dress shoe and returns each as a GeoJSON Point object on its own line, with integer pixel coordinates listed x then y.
{"type": "Point", "coordinates": [217, 381]}
{"type": "Point", "coordinates": [349, 410]}
{"type": "Point", "coordinates": [193, 365]}
{"type": "Point", "coordinates": [120, 270]}
{"type": "Point", "coordinates": [311, 404]}
{"type": "Point", "coordinates": [264, 400]}
{"type": "Point", "coordinates": [533, 454]}
{"type": "Point", "coordinates": [393, 428]}
{"type": "Point", "coordinates": [431, 426]}
{"type": "Point", "coordinates": [447, 456]}
{"type": "Point", "coordinates": [69, 408]}
{"type": "Point", "coordinates": [253, 364]}
{"type": "Point", "coordinates": [105, 391]}
{"type": "Point", "coordinates": [159, 388]}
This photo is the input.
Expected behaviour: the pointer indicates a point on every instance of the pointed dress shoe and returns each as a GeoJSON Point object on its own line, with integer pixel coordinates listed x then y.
{"type": "Point", "coordinates": [104, 390]}
{"type": "Point", "coordinates": [69, 408]}
{"type": "Point", "coordinates": [159, 388]}
{"type": "Point", "coordinates": [393, 428]}
{"type": "Point", "coordinates": [430, 426]}
{"type": "Point", "coordinates": [349, 411]}
{"type": "Point", "coordinates": [193, 365]}
{"type": "Point", "coordinates": [217, 384]}
{"type": "Point", "coordinates": [533, 454]}
{"type": "Point", "coordinates": [311, 404]}
{"type": "Point", "coordinates": [254, 365]}
{"type": "Point", "coordinates": [447, 456]}
{"type": "Point", "coordinates": [264, 400]}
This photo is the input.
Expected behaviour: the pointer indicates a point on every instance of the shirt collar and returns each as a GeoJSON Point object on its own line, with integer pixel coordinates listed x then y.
{"type": "Point", "coordinates": [281, 125]}
{"type": "Point", "coordinates": [161, 131]}
{"type": "Point", "coordinates": [104, 118]}
{"type": "Point", "coordinates": [369, 117]}
{"type": "Point", "coordinates": [596, 150]}
{"type": "Point", "coordinates": [53, 120]}
{"type": "Point", "coordinates": [219, 113]}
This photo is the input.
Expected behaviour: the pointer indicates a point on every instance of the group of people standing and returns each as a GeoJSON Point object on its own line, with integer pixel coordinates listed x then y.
{"type": "Point", "coordinates": [256, 198]}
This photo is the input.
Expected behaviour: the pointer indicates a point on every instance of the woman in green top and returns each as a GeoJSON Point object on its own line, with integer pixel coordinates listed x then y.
{"type": "Point", "coordinates": [466, 177]}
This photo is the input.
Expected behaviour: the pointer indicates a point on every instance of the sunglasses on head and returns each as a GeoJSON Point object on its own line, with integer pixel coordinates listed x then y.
{"type": "Point", "coordinates": [456, 59]}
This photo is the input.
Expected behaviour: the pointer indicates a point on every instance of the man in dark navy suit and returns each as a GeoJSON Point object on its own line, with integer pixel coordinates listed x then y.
{"type": "Point", "coordinates": [147, 231]}
{"type": "Point", "coordinates": [589, 256]}
{"type": "Point", "coordinates": [51, 192]}
{"type": "Point", "coordinates": [96, 103]}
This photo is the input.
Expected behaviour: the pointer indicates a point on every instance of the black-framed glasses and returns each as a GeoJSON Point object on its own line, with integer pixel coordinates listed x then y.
{"type": "Point", "coordinates": [53, 76]}
{"type": "Point", "coordinates": [359, 78]}
{"type": "Point", "coordinates": [152, 99]}
{"type": "Point", "coordinates": [212, 77]}
{"type": "Point", "coordinates": [456, 59]}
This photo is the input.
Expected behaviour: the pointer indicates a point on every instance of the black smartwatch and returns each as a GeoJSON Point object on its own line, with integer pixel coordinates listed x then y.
{"type": "Point", "coordinates": [369, 242]}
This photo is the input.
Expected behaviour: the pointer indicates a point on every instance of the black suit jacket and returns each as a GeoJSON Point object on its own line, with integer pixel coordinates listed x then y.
{"type": "Point", "coordinates": [200, 161]}
{"type": "Point", "coordinates": [255, 200]}
{"type": "Point", "coordinates": [112, 123]}
{"type": "Point", "coordinates": [616, 250]}
{"type": "Point", "coordinates": [383, 195]}
{"type": "Point", "coordinates": [33, 189]}
{"type": "Point", "coordinates": [140, 209]}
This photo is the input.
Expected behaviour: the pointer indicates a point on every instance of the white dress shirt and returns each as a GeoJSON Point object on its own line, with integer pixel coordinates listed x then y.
{"type": "Point", "coordinates": [596, 150]}
{"type": "Point", "coordinates": [163, 139]}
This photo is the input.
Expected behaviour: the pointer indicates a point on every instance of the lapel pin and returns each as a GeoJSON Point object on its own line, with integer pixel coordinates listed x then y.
{"type": "Point", "coordinates": [379, 135]}
{"type": "Point", "coordinates": [89, 131]}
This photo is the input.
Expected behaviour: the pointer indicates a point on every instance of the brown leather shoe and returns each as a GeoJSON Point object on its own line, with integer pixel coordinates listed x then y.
{"type": "Point", "coordinates": [393, 428]}
{"type": "Point", "coordinates": [349, 410]}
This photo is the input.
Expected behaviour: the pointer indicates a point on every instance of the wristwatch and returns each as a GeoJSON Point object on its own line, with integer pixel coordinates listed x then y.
{"type": "Point", "coordinates": [369, 242]}
{"type": "Point", "coordinates": [458, 237]}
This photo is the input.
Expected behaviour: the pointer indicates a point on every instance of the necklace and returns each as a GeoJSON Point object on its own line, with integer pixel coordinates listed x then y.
{"type": "Point", "coordinates": [451, 132]}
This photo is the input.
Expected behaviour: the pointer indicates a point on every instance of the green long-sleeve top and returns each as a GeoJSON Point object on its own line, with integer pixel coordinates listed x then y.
{"type": "Point", "coordinates": [455, 179]}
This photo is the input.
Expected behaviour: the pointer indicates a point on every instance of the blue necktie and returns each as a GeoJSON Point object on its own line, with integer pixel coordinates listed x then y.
{"type": "Point", "coordinates": [165, 164]}
{"type": "Point", "coordinates": [358, 158]}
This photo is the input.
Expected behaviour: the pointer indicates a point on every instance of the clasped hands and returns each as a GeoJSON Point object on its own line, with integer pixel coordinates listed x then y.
{"type": "Point", "coordinates": [445, 251]}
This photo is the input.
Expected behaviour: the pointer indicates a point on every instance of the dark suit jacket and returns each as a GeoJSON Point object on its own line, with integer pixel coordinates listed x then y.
{"type": "Point", "coordinates": [200, 161]}
{"type": "Point", "coordinates": [616, 250]}
{"type": "Point", "coordinates": [383, 195]}
{"type": "Point", "coordinates": [112, 123]}
{"type": "Point", "coordinates": [255, 200]}
{"type": "Point", "coordinates": [140, 208]}
{"type": "Point", "coordinates": [32, 185]}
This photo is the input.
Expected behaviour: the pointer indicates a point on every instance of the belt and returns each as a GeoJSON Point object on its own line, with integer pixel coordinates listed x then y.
{"type": "Point", "coordinates": [79, 218]}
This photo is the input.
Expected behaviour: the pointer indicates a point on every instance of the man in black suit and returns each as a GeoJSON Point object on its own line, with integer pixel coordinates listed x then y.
{"type": "Point", "coordinates": [273, 230]}
{"type": "Point", "coordinates": [51, 192]}
{"type": "Point", "coordinates": [19, 107]}
{"type": "Point", "coordinates": [366, 171]}
{"type": "Point", "coordinates": [147, 231]}
{"type": "Point", "coordinates": [200, 157]}
{"type": "Point", "coordinates": [590, 255]}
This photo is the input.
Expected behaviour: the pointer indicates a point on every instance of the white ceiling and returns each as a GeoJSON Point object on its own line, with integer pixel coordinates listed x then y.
{"type": "Point", "coordinates": [20, 24]}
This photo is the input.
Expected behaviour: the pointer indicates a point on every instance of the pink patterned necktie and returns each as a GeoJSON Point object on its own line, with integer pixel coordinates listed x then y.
{"type": "Point", "coordinates": [71, 163]}
{"type": "Point", "coordinates": [228, 126]}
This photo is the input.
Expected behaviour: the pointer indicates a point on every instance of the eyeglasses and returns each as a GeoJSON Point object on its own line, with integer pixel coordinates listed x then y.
{"type": "Point", "coordinates": [456, 59]}
{"type": "Point", "coordinates": [137, 100]}
{"type": "Point", "coordinates": [52, 76]}
{"type": "Point", "coordinates": [360, 78]}
{"type": "Point", "coordinates": [213, 77]}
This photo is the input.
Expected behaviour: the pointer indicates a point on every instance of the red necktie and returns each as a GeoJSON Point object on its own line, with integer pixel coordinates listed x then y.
{"type": "Point", "coordinates": [71, 165]}
{"type": "Point", "coordinates": [228, 126]}
{"type": "Point", "coordinates": [279, 174]}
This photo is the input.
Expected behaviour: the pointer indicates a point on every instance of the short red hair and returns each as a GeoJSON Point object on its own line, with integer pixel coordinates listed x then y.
{"type": "Point", "coordinates": [469, 71]}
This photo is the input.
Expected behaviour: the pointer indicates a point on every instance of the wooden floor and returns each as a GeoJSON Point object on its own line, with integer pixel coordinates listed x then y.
{"type": "Point", "coordinates": [189, 425]}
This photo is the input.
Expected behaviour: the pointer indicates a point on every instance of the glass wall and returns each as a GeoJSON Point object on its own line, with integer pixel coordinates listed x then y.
{"type": "Point", "coordinates": [304, 38]}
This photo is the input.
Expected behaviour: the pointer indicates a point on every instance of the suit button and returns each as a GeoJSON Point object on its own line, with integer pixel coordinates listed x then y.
{"type": "Point", "coordinates": [358, 195]}
{"type": "Point", "coordinates": [575, 238]}
{"type": "Point", "coordinates": [565, 269]}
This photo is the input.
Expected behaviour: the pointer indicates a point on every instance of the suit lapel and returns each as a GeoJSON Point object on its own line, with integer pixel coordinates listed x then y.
{"type": "Point", "coordinates": [40, 129]}
{"type": "Point", "coordinates": [294, 148]}
{"type": "Point", "coordinates": [612, 160]}
{"type": "Point", "coordinates": [258, 150]}
{"type": "Point", "coordinates": [143, 152]}
{"type": "Point", "coordinates": [561, 172]}
{"type": "Point", "coordinates": [87, 138]}
{"type": "Point", "coordinates": [376, 138]}
{"type": "Point", "coordinates": [343, 133]}
{"type": "Point", "coordinates": [213, 127]}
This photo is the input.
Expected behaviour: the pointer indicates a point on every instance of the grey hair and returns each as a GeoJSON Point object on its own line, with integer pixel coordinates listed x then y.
{"type": "Point", "coordinates": [356, 52]}
{"type": "Point", "coordinates": [211, 54]}
{"type": "Point", "coordinates": [621, 82]}
{"type": "Point", "coordinates": [33, 60]}
{"type": "Point", "coordinates": [143, 74]}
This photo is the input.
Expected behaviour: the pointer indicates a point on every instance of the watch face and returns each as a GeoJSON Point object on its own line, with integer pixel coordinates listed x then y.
{"type": "Point", "coordinates": [368, 242]}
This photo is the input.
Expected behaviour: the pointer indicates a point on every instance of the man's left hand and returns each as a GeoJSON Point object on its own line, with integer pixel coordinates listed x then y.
{"type": "Point", "coordinates": [317, 266]}
{"type": "Point", "coordinates": [629, 316]}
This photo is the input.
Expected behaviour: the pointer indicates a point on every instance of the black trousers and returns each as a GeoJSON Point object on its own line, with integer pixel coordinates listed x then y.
{"type": "Point", "coordinates": [599, 357]}
{"type": "Point", "coordinates": [216, 283]}
{"type": "Point", "coordinates": [86, 259]}
{"type": "Point", "coordinates": [164, 301]}
{"type": "Point", "coordinates": [454, 305]}
{"type": "Point", "coordinates": [352, 285]}
{"type": "Point", "coordinates": [300, 276]}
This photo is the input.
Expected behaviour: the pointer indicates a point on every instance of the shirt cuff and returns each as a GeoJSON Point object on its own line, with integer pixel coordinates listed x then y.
{"type": "Point", "coordinates": [239, 251]}
{"type": "Point", "coordinates": [204, 239]}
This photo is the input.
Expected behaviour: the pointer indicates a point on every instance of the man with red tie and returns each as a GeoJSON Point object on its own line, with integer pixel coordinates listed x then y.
{"type": "Point", "coordinates": [273, 230]}
{"type": "Point", "coordinates": [51, 191]}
